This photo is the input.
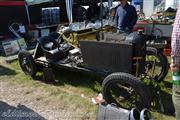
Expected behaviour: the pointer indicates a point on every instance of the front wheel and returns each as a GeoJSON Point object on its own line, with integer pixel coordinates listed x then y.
{"type": "Point", "coordinates": [126, 91]}
{"type": "Point", "coordinates": [27, 63]}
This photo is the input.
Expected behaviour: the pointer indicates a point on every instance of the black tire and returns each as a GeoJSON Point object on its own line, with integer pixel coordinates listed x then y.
{"type": "Point", "coordinates": [161, 64]}
{"type": "Point", "coordinates": [123, 84]}
{"type": "Point", "coordinates": [27, 63]}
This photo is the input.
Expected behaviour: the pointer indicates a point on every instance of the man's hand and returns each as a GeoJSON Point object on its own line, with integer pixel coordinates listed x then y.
{"type": "Point", "coordinates": [174, 67]}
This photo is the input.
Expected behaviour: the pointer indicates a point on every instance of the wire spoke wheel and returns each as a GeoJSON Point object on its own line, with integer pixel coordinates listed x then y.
{"type": "Point", "coordinates": [124, 95]}
{"type": "Point", "coordinates": [27, 63]}
{"type": "Point", "coordinates": [156, 64]}
{"type": "Point", "coordinates": [126, 91]}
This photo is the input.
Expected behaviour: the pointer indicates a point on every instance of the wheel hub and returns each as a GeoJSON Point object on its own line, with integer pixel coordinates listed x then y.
{"type": "Point", "coordinates": [26, 64]}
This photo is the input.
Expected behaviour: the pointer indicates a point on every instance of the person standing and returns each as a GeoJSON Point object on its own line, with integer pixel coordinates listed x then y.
{"type": "Point", "coordinates": [111, 18]}
{"type": "Point", "coordinates": [126, 16]}
{"type": "Point", "coordinates": [175, 64]}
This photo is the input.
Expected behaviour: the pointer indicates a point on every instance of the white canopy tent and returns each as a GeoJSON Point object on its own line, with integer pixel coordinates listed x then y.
{"type": "Point", "coordinates": [69, 5]}
{"type": "Point", "coordinates": [110, 3]}
{"type": "Point", "coordinates": [33, 2]}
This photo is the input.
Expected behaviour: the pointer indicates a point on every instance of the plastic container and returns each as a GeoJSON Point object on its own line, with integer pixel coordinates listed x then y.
{"type": "Point", "coordinates": [176, 78]}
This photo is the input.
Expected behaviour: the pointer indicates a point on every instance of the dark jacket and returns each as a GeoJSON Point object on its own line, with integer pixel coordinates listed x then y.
{"type": "Point", "coordinates": [126, 17]}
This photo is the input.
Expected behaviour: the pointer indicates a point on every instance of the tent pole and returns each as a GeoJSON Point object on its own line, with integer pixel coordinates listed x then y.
{"type": "Point", "coordinates": [101, 17]}
{"type": "Point", "coordinates": [27, 11]}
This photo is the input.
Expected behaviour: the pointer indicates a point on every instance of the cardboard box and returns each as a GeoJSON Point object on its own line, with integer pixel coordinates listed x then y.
{"type": "Point", "coordinates": [10, 47]}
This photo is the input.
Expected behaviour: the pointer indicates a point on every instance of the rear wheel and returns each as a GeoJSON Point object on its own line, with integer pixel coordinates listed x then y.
{"type": "Point", "coordinates": [156, 64]}
{"type": "Point", "coordinates": [126, 91]}
{"type": "Point", "coordinates": [27, 63]}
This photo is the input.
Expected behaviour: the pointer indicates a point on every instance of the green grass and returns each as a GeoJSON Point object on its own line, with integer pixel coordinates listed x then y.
{"type": "Point", "coordinates": [70, 86]}
{"type": "Point", "coordinates": [66, 93]}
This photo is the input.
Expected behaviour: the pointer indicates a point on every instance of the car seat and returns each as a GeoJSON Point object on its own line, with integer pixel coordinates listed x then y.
{"type": "Point", "coordinates": [52, 50]}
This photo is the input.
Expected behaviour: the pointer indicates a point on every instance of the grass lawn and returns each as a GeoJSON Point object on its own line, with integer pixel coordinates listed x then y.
{"type": "Point", "coordinates": [66, 94]}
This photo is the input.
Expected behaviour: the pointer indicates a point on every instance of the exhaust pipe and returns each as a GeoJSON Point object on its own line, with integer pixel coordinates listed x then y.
{"type": "Point", "coordinates": [145, 115]}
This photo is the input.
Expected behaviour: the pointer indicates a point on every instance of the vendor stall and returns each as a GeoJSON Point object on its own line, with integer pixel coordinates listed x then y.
{"type": "Point", "coordinates": [160, 29]}
{"type": "Point", "coordinates": [158, 16]}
